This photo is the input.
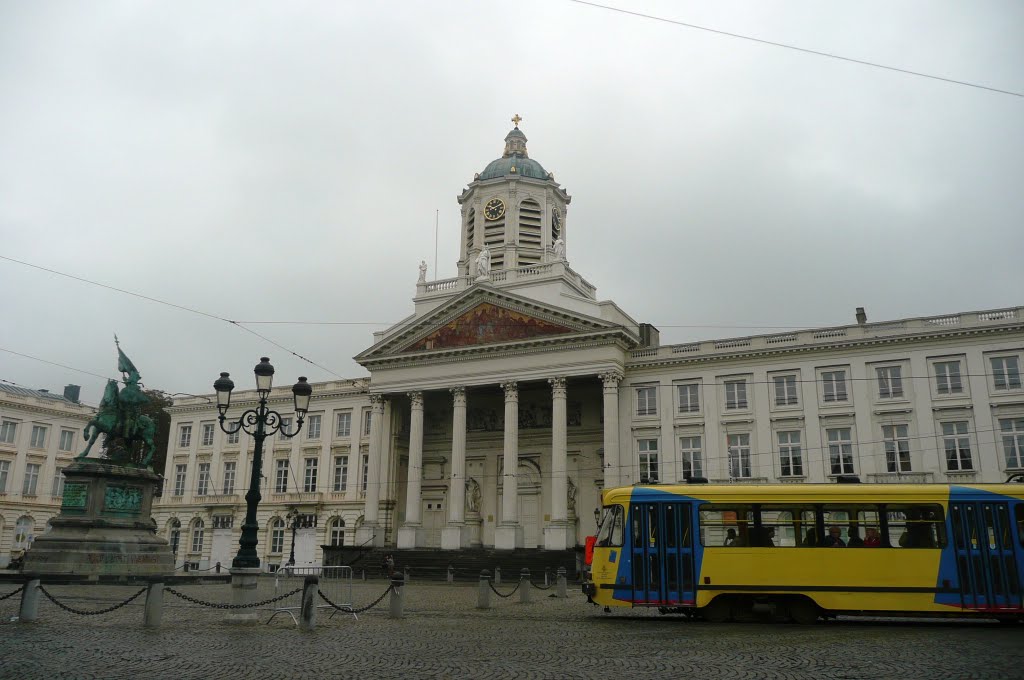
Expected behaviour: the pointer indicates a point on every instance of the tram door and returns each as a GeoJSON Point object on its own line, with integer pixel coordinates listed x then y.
{"type": "Point", "coordinates": [662, 545]}
{"type": "Point", "coordinates": [987, 566]}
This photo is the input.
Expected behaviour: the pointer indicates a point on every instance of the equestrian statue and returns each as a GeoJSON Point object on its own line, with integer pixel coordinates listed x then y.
{"type": "Point", "coordinates": [130, 434]}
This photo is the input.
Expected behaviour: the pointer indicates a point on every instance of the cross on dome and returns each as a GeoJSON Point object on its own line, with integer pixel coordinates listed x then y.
{"type": "Point", "coordinates": [516, 119]}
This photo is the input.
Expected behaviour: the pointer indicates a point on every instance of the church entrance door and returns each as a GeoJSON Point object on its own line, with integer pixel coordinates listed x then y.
{"type": "Point", "coordinates": [433, 522]}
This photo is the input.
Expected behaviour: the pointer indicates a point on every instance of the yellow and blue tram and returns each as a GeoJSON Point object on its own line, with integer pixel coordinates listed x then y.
{"type": "Point", "coordinates": [807, 551]}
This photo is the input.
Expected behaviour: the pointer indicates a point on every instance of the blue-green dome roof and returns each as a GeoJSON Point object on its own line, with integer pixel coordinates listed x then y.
{"type": "Point", "coordinates": [527, 167]}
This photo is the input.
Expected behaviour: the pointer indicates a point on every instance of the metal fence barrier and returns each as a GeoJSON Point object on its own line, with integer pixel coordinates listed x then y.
{"type": "Point", "coordinates": [335, 583]}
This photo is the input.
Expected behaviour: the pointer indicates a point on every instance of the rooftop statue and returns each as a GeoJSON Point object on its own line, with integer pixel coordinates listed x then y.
{"type": "Point", "coordinates": [130, 433]}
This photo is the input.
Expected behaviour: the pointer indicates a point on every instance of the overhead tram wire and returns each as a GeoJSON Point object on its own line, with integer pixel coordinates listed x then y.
{"type": "Point", "coordinates": [236, 324]}
{"type": "Point", "coordinates": [794, 47]}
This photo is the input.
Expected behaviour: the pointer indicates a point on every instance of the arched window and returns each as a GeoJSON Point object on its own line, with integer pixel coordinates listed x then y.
{"type": "Point", "coordinates": [198, 530]}
{"type": "Point", "coordinates": [174, 535]}
{"type": "Point", "coordinates": [277, 536]}
{"type": "Point", "coordinates": [23, 532]}
{"type": "Point", "coordinates": [337, 531]}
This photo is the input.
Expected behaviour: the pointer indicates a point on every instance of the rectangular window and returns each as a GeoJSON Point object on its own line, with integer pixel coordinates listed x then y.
{"type": "Point", "coordinates": [648, 454]}
{"type": "Point", "coordinates": [309, 478]}
{"type": "Point", "coordinates": [197, 536]}
{"type": "Point", "coordinates": [313, 427]}
{"type": "Point", "coordinates": [184, 436]}
{"type": "Point", "coordinates": [957, 445]}
{"type": "Point", "coordinates": [179, 479]}
{"type": "Point", "coordinates": [833, 386]}
{"type": "Point", "coordinates": [790, 456]}
{"type": "Point", "coordinates": [367, 421]}
{"type": "Point", "coordinates": [286, 429]}
{"type": "Point", "coordinates": [890, 382]}
{"type": "Point", "coordinates": [277, 537]}
{"type": "Point", "coordinates": [8, 431]}
{"type": "Point", "coordinates": [38, 437]}
{"type": "Point", "coordinates": [344, 428]}
{"type": "Point", "coordinates": [203, 483]}
{"type": "Point", "coordinates": [739, 456]}
{"type": "Point", "coordinates": [1012, 432]}
{"type": "Point", "coordinates": [785, 390]}
{"type": "Point", "coordinates": [1005, 373]}
{"type": "Point", "coordinates": [726, 525]}
{"type": "Point", "coordinates": [67, 440]}
{"type": "Point", "coordinates": [915, 526]}
{"type": "Point", "coordinates": [281, 480]}
{"type": "Point", "coordinates": [366, 471]}
{"type": "Point", "coordinates": [340, 473]}
{"type": "Point", "coordinates": [234, 437]}
{"type": "Point", "coordinates": [223, 521]}
{"type": "Point", "coordinates": [947, 377]}
{"type": "Point", "coordinates": [57, 490]}
{"type": "Point", "coordinates": [207, 434]}
{"type": "Point", "coordinates": [691, 457]}
{"type": "Point", "coordinates": [647, 401]}
{"type": "Point", "coordinates": [689, 398]}
{"type": "Point", "coordinates": [31, 480]}
{"type": "Point", "coordinates": [897, 448]}
{"type": "Point", "coordinates": [229, 477]}
{"type": "Point", "coordinates": [735, 394]}
{"type": "Point", "coordinates": [840, 451]}
{"type": "Point", "coordinates": [5, 471]}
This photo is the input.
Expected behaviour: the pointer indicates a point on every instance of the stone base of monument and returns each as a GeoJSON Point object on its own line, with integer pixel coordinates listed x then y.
{"type": "Point", "coordinates": [105, 526]}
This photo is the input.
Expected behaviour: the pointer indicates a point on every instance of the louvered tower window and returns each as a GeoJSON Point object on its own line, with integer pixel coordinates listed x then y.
{"type": "Point", "coordinates": [470, 228]}
{"type": "Point", "coordinates": [529, 232]}
{"type": "Point", "coordinates": [494, 239]}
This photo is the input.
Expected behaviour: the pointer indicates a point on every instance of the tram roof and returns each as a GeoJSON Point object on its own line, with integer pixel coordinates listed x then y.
{"type": "Point", "coordinates": [810, 492]}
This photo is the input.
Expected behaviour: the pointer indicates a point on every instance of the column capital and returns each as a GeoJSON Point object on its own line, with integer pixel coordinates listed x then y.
{"type": "Point", "coordinates": [511, 390]}
{"type": "Point", "coordinates": [377, 400]}
{"type": "Point", "coordinates": [558, 387]}
{"type": "Point", "coordinates": [416, 399]}
{"type": "Point", "coordinates": [458, 396]}
{"type": "Point", "coordinates": [611, 379]}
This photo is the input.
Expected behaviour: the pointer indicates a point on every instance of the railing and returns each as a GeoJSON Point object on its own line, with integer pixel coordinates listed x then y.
{"type": "Point", "coordinates": [901, 477]}
{"type": "Point", "coordinates": [998, 315]}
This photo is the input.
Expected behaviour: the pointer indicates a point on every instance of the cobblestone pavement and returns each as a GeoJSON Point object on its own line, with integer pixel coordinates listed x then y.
{"type": "Point", "coordinates": [444, 636]}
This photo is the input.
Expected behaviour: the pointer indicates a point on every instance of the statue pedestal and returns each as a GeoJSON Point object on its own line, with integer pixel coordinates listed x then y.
{"type": "Point", "coordinates": [411, 536]}
{"type": "Point", "coordinates": [105, 526]}
{"type": "Point", "coordinates": [508, 537]}
{"type": "Point", "coordinates": [455, 537]}
{"type": "Point", "coordinates": [559, 536]}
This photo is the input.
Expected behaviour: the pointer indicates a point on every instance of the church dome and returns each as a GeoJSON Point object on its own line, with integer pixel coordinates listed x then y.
{"type": "Point", "coordinates": [515, 160]}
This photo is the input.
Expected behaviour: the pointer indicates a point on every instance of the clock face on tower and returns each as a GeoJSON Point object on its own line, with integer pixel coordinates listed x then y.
{"type": "Point", "coordinates": [494, 209]}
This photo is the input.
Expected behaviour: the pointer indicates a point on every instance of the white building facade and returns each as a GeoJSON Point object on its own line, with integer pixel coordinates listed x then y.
{"type": "Point", "coordinates": [40, 434]}
{"type": "Point", "coordinates": [495, 413]}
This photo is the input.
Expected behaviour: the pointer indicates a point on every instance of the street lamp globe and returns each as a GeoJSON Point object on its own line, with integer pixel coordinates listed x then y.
{"type": "Point", "coordinates": [302, 391]}
{"type": "Point", "coordinates": [264, 376]}
{"type": "Point", "coordinates": [223, 385]}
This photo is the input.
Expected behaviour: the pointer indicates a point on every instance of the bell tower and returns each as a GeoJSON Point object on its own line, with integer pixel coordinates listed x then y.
{"type": "Point", "coordinates": [515, 210]}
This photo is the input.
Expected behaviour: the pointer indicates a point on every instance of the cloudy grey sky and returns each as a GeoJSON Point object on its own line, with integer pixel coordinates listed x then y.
{"type": "Point", "coordinates": [283, 161]}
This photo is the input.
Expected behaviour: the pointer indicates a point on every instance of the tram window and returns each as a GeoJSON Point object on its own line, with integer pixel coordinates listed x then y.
{"type": "Point", "coordinates": [1018, 512]}
{"type": "Point", "coordinates": [784, 527]}
{"type": "Point", "coordinates": [858, 525]}
{"type": "Point", "coordinates": [726, 525]}
{"type": "Point", "coordinates": [915, 526]}
{"type": "Point", "coordinates": [670, 526]}
{"type": "Point", "coordinates": [611, 528]}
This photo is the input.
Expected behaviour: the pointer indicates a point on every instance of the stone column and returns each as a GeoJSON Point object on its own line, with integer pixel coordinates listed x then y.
{"type": "Point", "coordinates": [455, 535]}
{"type": "Point", "coordinates": [411, 534]}
{"type": "Point", "coordinates": [509, 534]}
{"type": "Point", "coordinates": [612, 464]}
{"type": "Point", "coordinates": [370, 533]}
{"type": "Point", "coordinates": [557, 533]}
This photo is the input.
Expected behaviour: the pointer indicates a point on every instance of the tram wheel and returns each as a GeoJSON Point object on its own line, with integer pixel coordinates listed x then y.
{"type": "Point", "coordinates": [719, 610]}
{"type": "Point", "coordinates": [803, 611]}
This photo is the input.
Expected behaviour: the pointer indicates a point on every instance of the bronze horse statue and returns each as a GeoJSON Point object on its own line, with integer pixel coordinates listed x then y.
{"type": "Point", "coordinates": [120, 418]}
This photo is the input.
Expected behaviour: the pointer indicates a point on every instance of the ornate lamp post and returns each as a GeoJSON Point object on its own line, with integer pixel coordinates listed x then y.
{"type": "Point", "coordinates": [260, 422]}
{"type": "Point", "coordinates": [293, 515]}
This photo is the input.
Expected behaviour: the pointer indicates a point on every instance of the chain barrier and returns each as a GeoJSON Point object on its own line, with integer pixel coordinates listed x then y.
{"type": "Point", "coordinates": [547, 587]}
{"type": "Point", "coordinates": [218, 605]}
{"type": "Point", "coordinates": [491, 584]}
{"type": "Point", "coordinates": [12, 594]}
{"type": "Point", "coordinates": [350, 610]}
{"type": "Point", "coordinates": [84, 612]}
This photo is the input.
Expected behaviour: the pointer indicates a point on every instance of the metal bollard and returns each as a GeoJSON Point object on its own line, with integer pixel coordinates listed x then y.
{"type": "Point", "coordinates": [524, 586]}
{"type": "Point", "coordinates": [547, 576]}
{"type": "Point", "coordinates": [406, 575]}
{"type": "Point", "coordinates": [397, 595]}
{"type": "Point", "coordinates": [364, 574]}
{"type": "Point", "coordinates": [153, 613]}
{"type": "Point", "coordinates": [560, 591]}
{"type": "Point", "coordinates": [29, 611]}
{"type": "Point", "coordinates": [307, 615]}
{"type": "Point", "coordinates": [483, 598]}
{"type": "Point", "coordinates": [218, 567]}
{"type": "Point", "coordinates": [497, 575]}
{"type": "Point", "coordinates": [451, 574]}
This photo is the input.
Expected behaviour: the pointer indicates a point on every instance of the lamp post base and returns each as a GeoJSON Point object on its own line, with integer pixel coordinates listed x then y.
{"type": "Point", "coordinates": [244, 584]}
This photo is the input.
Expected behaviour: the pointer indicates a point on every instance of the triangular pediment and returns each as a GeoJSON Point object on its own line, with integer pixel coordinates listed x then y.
{"type": "Point", "coordinates": [485, 324]}
{"type": "Point", "coordinates": [484, 319]}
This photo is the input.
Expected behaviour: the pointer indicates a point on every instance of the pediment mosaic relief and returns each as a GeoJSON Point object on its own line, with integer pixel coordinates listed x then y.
{"type": "Point", "coordinates": [486, 324]}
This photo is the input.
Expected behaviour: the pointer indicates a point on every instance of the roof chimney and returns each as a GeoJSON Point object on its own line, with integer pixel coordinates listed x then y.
{"type": "Point", "coordinates": [862, 317]}
{"type": "Point", "coordinates": [72, 392]}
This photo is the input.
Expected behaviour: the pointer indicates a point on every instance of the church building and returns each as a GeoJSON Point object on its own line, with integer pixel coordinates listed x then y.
{"type": "Point", "coordinates": [497, 411]}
